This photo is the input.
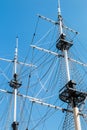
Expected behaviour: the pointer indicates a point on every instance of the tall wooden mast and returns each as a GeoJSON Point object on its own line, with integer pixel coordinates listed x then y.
{"type": "Point", "coordinates": [68, 93]}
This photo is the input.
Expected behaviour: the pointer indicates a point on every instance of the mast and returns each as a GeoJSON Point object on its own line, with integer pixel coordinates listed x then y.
{"type": "Point", "coordinates": [64, 46]}
{"type": "Point", "coordinates": [15, 75]}
{"type": "Point", "coordinates": [15, 85]}
{"type": "Point", "coordinates": [15, 123]}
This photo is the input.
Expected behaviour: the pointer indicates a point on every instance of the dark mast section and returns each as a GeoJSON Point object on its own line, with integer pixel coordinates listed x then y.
{"type": "Point", "coordinates": [62, 43]}
{"type": "Point", "coordinates": [69, 93]}
{"type": "Point", "coordinates": [15, 125]}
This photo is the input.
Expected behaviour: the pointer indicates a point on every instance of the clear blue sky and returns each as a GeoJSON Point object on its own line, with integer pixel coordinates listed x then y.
{"type": "Point", "coordinates": [18, 17]}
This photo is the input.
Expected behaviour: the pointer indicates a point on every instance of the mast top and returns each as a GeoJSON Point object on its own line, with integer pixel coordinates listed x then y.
{"type": "Point", "coordinates": [59, 9]}
{"type": "Point", "coordinates": [17, 41]}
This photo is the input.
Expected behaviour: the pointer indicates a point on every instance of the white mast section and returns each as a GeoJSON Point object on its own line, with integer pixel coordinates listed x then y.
{"type": "Point", "coordinates": [15, 72]}
{"type": "Point", "coordinates": [60, 18]}
{"type": "Point", "coordinates": [67, 65]}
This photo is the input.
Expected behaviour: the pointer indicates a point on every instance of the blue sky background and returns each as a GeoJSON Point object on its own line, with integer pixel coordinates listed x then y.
{"type": "Point", "coordinates": [18, 17]}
